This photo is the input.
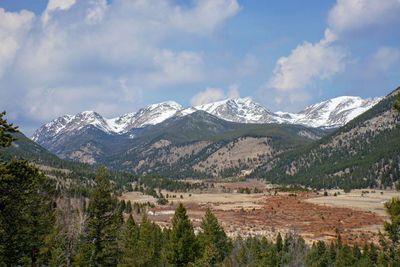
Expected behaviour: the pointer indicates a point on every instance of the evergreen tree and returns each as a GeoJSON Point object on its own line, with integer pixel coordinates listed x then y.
{"type": "Point", "coordinates": [396, 104]}
{"type": "Point", "coordinates": [214, 243]}
{"type": "Point", "coordinates": [128, 207]}
{"type": "Point", "coordinates": [99, 246]}
{"type": "Point", "coordinates": [26, 212]}
{"type": "Point", "coordinates": [129, 246]}
{"type": "Point", "coordinates": [183, 242]}
{"type": "Point", "coordinates": [149, 243]}
{"type": "Point", "coordinates": [6, 129]}
{"type": "Point", "coordinates": [26, 207]}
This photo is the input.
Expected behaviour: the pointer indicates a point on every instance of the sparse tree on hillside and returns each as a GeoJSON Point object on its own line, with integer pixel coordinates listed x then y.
{"type": "Point", "coordinates": [396, 104]}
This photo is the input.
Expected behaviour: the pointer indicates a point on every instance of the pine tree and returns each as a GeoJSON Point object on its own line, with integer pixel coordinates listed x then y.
{"type": "Point", "coordinates": [26, 207]}
{"type": "Point", "coordinates": [128, 207]}
{"type": "Point", "coordinates": [99, 246]}
{"type": "Point", "coordinates": [183, 242]}
{"type": "Point", "coordinates": [396, 104]}
{"type": "Point", "coordinates": [213, 240]}
{"type": "Point", "coordinates": [130, 234]}
{"type": "Point", "coordinates": [149, 243]}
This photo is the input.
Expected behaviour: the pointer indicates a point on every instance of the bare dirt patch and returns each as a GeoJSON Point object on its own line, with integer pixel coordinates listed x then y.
{"type": "Point", "coordinates": [265, 214]}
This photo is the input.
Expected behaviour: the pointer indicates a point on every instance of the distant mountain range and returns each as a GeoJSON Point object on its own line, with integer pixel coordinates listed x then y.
{"type": "Point", "coordinates": [234, 137]}
{"type": "Point", "coordinates": [223, 138]}
{"type": "Point", "coordinates": [328, 114]}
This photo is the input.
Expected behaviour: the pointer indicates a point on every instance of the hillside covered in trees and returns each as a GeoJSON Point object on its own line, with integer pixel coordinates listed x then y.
{"type": "Point", "coordinates": [363, 153]}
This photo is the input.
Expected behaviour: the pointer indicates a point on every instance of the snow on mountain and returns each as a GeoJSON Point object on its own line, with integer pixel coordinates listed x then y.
{"type": "Point", "coordinates": [332, 113]}
{"type": "Point", "coordinates": [69, 123]}
{"type": "Point", "coordinates": [149, 115]}
{"type": "Point", "coordinates": [243, 110]}
{"type": "Point", "coordinates": [328, 114]}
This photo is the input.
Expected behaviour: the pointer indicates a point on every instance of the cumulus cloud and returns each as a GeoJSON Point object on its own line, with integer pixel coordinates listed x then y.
{"type": "Point", "coordinates": [13, 29]}
{"type": "Point", "coordinates": [214, 94]}
{"type": "Point", "coordinates": [294, 75]}
{"type": "Point", "coordinates": [102, 52]}
{"type": "Point", "coordinates": [176, 68]}
{"type": "Point", "coordinates": [348, 16]}
{"type": "Point", "coordinates": [307, 62]}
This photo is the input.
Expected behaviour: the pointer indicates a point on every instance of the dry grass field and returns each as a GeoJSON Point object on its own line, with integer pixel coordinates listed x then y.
{"type": "Point", "coordinates": [366, 200]}
{"type": "Point", "coordinates": [315, 217]}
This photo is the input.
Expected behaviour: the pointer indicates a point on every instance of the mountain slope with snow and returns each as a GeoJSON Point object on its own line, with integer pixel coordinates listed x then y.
{"type": "Point", "coordinates": [332, 113]}
{"type": "Point", "coordinates": [243, 110]}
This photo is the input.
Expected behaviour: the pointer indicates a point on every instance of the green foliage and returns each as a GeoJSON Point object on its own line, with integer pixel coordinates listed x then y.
{"type": "Point", "coordinates": [183, 242]}
{"type": "Point", "coordinates": [26, 207]}
{"type": "Point", "coordinates": [214, 243]}
{"type": "Point", "coordinates": [129, 240]}
{"type": "Point", "coordinates": [5, 131]}
{"type": "Point", "coordinates": [99, 242]}
{"type": "Point", "coordinates": [26, 212]}
{"type": "Point", "coordinates": [396, 104]}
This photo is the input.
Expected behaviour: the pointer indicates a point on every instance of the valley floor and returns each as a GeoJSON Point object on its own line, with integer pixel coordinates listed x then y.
{"type": "Point", "coordinates": [311, 215]}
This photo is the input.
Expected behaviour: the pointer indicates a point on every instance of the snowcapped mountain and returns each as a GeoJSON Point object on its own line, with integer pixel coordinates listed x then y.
{"type": "Point", "coordinates": [149, 115]}
{"type": "Point", "coordinates": [328, 114]}
{"type": "Point", "coordinates": [243, 110]}
{"type": "Point", "coordinates": [69, 123]}
{"type": "Point", "coordinates": [332, 113]}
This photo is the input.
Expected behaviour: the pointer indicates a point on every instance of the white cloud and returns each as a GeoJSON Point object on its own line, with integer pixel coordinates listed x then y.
{"type": "Point", "coordinates": [91, 49]}
{"type": "Point", "coordinates": [214, 94]}
{"type": "Point", "coordinates": [384, 58]}
{"type": "Point", "coordinates": [294, 75]}
{"type": "Point", "coordinates": [176, 68]}
{"type": "Point", "coordinates": [206, 15]}
{"type": "Point", "coordinates": [13, 28]}
{"type": "Point", "coordinates": [96, 13]}
{"type": "Point", "coordinates": [355, 15]}
{"type": "Point", "coordinates": [207, 96]}
{"type": "Point", "coordinates": [54, 5]}
{"type": "Point", "coordinates": [307, 62]}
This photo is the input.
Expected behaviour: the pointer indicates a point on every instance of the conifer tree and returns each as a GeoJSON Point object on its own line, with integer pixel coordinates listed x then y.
{"type": "Point", "coordinates": [128, 207]}
{"type": "Point", "coordinates": [26, 207]}
{"type": "Point", "coordinates": [212, 239]}
{"type": "Point", "coordinates": [129, 246]}
{"type": "Point", "coordinates": [99, 246]}
{"type": "Point", "coordinates": [183, 242]}
{"type": "Point", "coordinates": [396, 104]}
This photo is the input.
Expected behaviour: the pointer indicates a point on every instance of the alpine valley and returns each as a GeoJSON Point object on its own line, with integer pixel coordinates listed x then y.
{"type": "Point", "coordinates": [221, 139]}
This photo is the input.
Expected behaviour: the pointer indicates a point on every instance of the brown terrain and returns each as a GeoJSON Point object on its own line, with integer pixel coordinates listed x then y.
{"type": "Point", "coordinates": [265, 214]}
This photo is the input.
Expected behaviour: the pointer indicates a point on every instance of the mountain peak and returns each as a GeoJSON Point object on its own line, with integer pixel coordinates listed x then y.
{"type": "Point", "coordinates": [331, 113]}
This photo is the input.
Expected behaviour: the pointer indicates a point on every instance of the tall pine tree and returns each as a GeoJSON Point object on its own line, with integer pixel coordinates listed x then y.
{"type": "Point", "coordinates": [214, 243]}
{"type": "Point", "coordinates": [26, 207]}
{"type": "Point", "coordinates": [183, 242]}
{"type": "Point", "coordinates": [99, 242]}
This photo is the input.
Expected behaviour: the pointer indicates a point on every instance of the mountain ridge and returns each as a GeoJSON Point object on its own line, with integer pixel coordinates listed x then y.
{"type": "Point", "coordinates": [241, 110]}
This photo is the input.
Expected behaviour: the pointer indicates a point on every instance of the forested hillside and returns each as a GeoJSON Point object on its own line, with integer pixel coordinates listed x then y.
{"type": "Point", "coordinates": [364, 152]}
{"type": "Point", "coordinates": [76, 179]}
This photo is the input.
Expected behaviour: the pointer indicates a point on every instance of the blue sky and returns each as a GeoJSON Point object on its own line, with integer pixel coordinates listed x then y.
{"type": "Point", "coordinates": [64, 56]}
